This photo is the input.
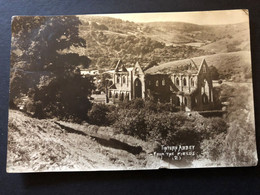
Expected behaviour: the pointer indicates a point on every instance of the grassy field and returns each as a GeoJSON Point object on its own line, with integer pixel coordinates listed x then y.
{"type": "Point", "coordinates": [239, 41]}
{"type": "Point", "coordinates": [44, 145]}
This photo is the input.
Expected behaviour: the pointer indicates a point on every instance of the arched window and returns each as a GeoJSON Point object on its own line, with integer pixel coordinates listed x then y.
{"type": "Point", "coordinates": [205, 99]}
{"type": "Point", "coordinates": [204, 69]}
{"type": "Point", "coordinates": [137, 71]}
{"type": "Point", "coordinates": [206, 87]}
{"type": "Point", "coordinates": [178, 103]}
{"type": "Point", "coordinates": [177, 81]}
{"type": "Point", "coordinates": [116, 95]}
{"type": "Point", "coordinates": [121, 95]}
{"type": "Point", "coordinates": [163, 82]}
{"type": "Point", "coordinates": [185, 101]}
{"type": "Point", "coordinates": [157, 83]}
{"type": "Point", "coordinates": [117, 79]}
{"type": "Point", "coordinates": [192, 82]}
{"type": "Point", "coordinates": [184, 82]}
{"type": "Point", "coordinates": [123, 79]}
{"type": "Point", "coordinates": [110, 94]}
{"type": "Point", "coordinates": [194, 101]}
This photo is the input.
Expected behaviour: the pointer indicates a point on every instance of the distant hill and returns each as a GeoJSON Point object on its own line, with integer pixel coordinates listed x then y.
{"type": "Point", "coordinates": [177, 32]}
{"type": "Point", "coordinates": [110, 39]}
{"type": "Point", "coordinates": [238, 41]}
{"type": "Point", "coordinates": [180, 32]}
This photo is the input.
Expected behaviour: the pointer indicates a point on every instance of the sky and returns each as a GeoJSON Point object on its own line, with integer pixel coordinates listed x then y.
{"type": "Point", "coordinates": [203, 18]}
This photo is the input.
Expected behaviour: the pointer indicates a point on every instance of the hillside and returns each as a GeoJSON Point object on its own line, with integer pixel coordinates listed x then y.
{"type": "Point", "coordinates": [128, 42]}
{"type": "Point", "coordinates": [109, 39]}
{"type": "Point", "coordinates": [238, 41]}
{"type": "Point", "coordinates": [233, 65]}
{"type": "Point", "coordinates": [181, 32]}
{"type": "Point", "coordinates": [49, 145]}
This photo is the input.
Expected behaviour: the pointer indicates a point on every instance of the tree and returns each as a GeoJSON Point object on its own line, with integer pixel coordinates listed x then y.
{"type": "Point", "coordinates": [214, 72]}
{"type": "Point", "coordinates": [98, 115]}
{"type": "Point", "coordinates": [40, 43]}
{"type": "Point", "coordinates": [105, 81]}
{"type": "Point", "coordinates": [151, 64]}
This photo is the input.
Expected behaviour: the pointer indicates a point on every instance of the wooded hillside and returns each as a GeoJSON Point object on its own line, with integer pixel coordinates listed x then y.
{"type": "Point", "coordinates": [109, 39]}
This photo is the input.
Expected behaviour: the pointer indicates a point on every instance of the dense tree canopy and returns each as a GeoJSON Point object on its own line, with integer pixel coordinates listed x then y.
{"type": "Point", "coordinates": [214, 72]}
{"type": "Point", "coordinates": [38, 58]}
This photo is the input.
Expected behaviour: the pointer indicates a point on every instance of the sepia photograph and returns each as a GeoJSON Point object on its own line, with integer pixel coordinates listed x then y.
{"type": "Point", "coordinates": [131, 91]}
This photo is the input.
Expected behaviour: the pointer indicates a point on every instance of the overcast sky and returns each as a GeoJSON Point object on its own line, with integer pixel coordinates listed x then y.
{"type": "Point", "coordinates": [205, 17]}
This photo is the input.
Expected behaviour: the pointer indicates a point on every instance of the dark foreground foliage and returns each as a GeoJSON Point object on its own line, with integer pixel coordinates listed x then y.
{"type": "Point", "coordinates": [44, 80]}
{"type": "Point", "coordinates": [237, 146]}
{"type": "Point", "coordinates": [158, 123]}
{"type": "Point", "coordinates": [228, 141]}
{"type": "Point", "coordinates": [168, 128]}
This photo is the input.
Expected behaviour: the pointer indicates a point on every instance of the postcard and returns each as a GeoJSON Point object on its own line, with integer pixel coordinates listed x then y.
{"type": "Point", "coordinates": [131, 91]}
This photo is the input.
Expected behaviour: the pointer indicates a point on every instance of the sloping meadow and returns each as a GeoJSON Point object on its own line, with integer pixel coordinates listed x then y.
{"type": "Point", "coordinates": [43, 145]}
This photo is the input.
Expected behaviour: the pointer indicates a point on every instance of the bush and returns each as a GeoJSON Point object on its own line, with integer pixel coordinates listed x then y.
{"type": "Point", "coordinates": [211, 127]}
{"type": "Point", "coordinates": [183, 130]}
{"type": "Point", "coordinates": [239, 146]}
{"type": "Point", "coordinates": [132, 122]}
{"type": "Point", "coordinates": [99, 114]}
{"type": "Point", "coordinates": [168, 128]}
{"type": "Point", "coordinates": [212, 149]}
{"type": "Point", "coordinates": [232, 144]}
{"type": "Point", "coordinates": [149, 105]}
{"type": "Point", "coordinates": [159, 125]}
{"type": "Point", "coordinates": [236, 147]}
{"type": "Point", "coordinates": [166, 107]}
{"type": "Point", "coordinates": [137, 103]}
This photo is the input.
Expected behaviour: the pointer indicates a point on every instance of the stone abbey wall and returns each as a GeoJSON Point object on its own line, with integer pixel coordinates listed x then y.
{"type": "Point", "coordinates": [182, 89]}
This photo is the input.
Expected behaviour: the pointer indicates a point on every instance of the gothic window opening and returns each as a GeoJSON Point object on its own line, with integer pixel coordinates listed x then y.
{"type": "Point", "coordinates": [204, 69]}
{"type": "Point", "coordinates": [194, 101]}
{"type": "Point", "coordinates": [137, 88]}
{"type": "Point", "coordinates": [185, 101]}
{"type": "Point", "coordinates": [116, 95]}
{"type": "Point", "coordinates": [192, 82]}
{"type": "Point", "coordinates": [163, 82]}
{"type": "Point", "coordinates": [205, 99]}
{"type": "Point", "coordinates": [178, 103]}
{"type": "Point", "coordinates": [123, 79]}
{"type": "Point", "coordinates": [184, 82]}
{"type": "Point", "coordinates": [177, 81]}
{"type": "Point", "coordinates": [157, 83]}
{"type": "Point", "coordinates": [117, 79]}
{"type": "Point", "coordinates": [206, 87]}
{"type": "Point", "coordinates": [137, 71]}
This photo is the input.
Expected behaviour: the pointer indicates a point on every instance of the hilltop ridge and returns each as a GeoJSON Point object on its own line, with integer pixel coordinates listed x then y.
{"type": "Point", "coordinates": [110, 39]}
